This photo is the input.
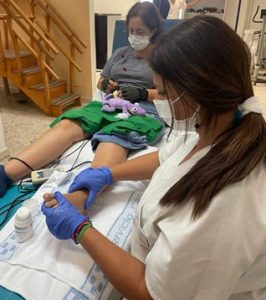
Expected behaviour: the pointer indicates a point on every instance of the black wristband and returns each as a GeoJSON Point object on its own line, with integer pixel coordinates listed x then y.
{"type": "Point", "coordinates": [143, 94]}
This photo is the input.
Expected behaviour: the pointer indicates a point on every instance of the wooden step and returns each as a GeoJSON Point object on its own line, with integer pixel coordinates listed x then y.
{"type": "Point", "coordinates": [31, 70]}
{"type": "Point", "coordinates": [65, 99]}
{"type": "Point", "coordinates": [31, 75]}
{"type": "Point", "coordinates": [27, 59]}
{"type": "Point", "coordinates": [52, 84]}
{"type": "Point", "coordinates": [56, 87]}
{"type": "Point", "coordinates": [59, 104]}
{"type": "Point", "coordinates": [10, 54]}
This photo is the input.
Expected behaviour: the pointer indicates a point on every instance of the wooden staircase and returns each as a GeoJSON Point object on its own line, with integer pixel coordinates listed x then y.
{"type": "Point", "coordinates": [26, 59]}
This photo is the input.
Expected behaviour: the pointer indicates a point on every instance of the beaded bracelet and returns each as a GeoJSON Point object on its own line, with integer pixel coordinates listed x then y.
{"type": "Point", "coordinates": [82, 228]}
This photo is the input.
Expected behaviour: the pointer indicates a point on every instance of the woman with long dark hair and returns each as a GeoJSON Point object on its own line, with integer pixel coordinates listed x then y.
{"type": "Point", "coordinates": [200, 227]}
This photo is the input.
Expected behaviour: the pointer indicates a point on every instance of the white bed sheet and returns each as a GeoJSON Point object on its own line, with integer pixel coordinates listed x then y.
{"type": "Point", "coordinates": [51, 269]}
{"type": "Point", "coordinates": [47, 268]}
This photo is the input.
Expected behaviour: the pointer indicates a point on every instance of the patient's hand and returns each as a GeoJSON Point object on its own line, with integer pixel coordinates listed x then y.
{"type": "Point", "coordinates": [77, 198]}
{"type": "Point", "coordinates": [62, 218]}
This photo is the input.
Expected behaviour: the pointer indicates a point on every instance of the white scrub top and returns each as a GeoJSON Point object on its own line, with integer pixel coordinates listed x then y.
{"type": "Point", "coordinates": [177, 10]}
{"type": "Point", "coordinates": [219, 256]}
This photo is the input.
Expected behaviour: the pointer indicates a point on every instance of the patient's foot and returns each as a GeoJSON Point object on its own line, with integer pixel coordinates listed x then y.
{"type": "Point", "coordinates": [5, 181]}
{"type": "Point", "coordinates": [77, 199]}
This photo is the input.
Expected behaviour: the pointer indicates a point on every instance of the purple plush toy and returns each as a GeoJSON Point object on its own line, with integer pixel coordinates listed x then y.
{"type": "Point", "coordinates": [110, 104]}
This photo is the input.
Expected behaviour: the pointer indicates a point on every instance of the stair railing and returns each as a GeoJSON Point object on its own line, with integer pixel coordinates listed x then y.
{"type": "Point", "coordinates": [12, 35]}
{"type": "Point", "coordinates": [2, 43]}
{"type": "Point", "coordinates": [42, 43]}
{"type": "Point", "coordinates": [75, 43]}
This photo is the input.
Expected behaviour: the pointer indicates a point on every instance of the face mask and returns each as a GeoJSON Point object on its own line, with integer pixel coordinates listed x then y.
{"type": "Point", "coordinates": [137, 42]}
{"type": "Point", "coordinates": [164, 112]}
{"type": "Point", "coordinates": [164, 109]}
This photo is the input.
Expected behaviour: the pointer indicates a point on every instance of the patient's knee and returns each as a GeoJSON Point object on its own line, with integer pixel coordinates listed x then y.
{"type": "Point", "coordinates": [71, 128]}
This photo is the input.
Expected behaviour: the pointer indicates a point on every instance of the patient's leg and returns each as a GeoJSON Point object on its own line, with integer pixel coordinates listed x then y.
{"type": "Point", "coordinates": [107, 154]}
{"type": "Point", "coordinates": [46, 148]}
{"type": "Point", "coordinates": [43, 151]}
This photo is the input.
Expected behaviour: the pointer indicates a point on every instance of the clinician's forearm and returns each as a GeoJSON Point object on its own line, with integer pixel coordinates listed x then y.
{"type": "Point", "coordinates": [123, 270]}
{"type": "Point", "coordinates": [140, 168]}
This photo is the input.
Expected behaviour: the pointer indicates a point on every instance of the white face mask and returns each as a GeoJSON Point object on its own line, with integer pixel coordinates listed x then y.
{"type": "Point", "coordinates": [164, 111]}
{"type": "Point", "coordinates": [138, 42]}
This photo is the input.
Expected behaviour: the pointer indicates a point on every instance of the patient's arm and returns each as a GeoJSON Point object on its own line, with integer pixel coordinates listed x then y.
{"type": "Point", "coordinates": [107, 154]}
{"type": "Point", "coordinates": [114, 156]}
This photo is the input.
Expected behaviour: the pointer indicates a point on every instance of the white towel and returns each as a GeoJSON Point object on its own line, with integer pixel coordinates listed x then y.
{"type": "Point", "coordinates": [45, 268]}
{"type": "Point", "coordinates": [47, 258]}
{"type": "Point", "coordinates": [60, 269]}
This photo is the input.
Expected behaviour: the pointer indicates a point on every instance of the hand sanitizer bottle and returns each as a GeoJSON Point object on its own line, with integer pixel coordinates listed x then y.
{"type": "Point", "coordinates": [23, 225]}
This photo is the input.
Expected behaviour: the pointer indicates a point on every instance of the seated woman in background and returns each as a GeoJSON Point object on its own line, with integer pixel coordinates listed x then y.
{"type": "Point", "coordinates": [126, 70]}
{"type": "Point", "coordinates": [200, 226]}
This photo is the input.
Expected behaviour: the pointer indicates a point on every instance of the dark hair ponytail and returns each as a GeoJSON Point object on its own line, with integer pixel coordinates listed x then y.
{"type": "Point", "coordinates": [207, 60]}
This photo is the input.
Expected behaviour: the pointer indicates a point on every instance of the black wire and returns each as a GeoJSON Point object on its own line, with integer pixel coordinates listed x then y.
{"type": "Point", "coordinates": [27, 190]}
{"type": "Point", "coordinates": [84, 162]}
{"type": "Point", "coordinates": [22, 161]}
{"type": "Point", "coordinates": [84, 144]}
{"type": "Point", "coordinates": [22, 190]}
{"type": "Point", "coordinates": [14, 203]}
{"type": "Point", "coordinates": [62, 158]}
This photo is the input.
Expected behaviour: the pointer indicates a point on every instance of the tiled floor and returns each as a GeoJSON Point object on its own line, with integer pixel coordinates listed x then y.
{"type": "Point", "coordinates": [24, 122]}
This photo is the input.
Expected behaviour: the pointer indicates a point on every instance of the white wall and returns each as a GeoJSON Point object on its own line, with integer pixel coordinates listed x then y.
{"type": "Point", "coordinates": [254, 5]}
{"type": "Point", "coordinates": [230, 14]}
{"type": "Point", "coordinates": [113, 7]}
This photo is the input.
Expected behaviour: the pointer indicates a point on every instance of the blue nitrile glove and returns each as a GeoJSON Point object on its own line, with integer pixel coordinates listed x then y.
{"type": "Point", "coordinates": [92, 180]}
{"type": "Point", "coordinates": [63, 220]}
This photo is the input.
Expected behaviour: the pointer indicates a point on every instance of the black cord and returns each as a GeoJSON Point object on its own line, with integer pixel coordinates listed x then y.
{"type": "Point", "coordinates": [14, 203]}
{"type": "Point", "coordinates": [28, 190]}
{"type": "Point", "coordinates": [9, 206]}
{"type": "Point", "coordinates": [81, 148]}
{"type": "Point", "coordinates": [62, 158]}
{"type": "Point", "coordinates": [22, 161]}
{"type": "Point", "coordinates": [83, 163]}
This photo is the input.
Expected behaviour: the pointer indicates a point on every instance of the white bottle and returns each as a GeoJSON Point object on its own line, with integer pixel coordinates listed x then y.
{"type": "Point", "coordinates": [23, 225]}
